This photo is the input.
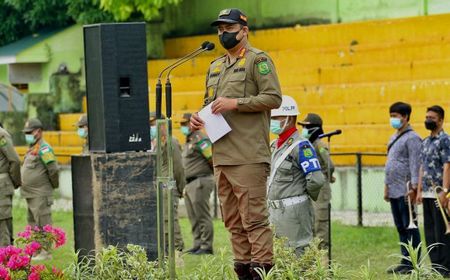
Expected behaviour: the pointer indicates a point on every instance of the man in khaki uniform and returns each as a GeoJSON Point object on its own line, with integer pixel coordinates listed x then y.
{"type": "Point", "coordinates": [198, 168]}
{"type": "Point", "coordinates": [295, 179]}
{"type": "Point", "coordinates": [312, 128]}
{"type": "Point", "coordinates": [178, 173]}
{"type": "Point", "coordinates": [243, 86]}
{"type": "Point", "coordinates": [9, 180]}
{"type": "Point", "coordinates": [39, 177]}
{"type": "Point", "coordinates": [82, 131]}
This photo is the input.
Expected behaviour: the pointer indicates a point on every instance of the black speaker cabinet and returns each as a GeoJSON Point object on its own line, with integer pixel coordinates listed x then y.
{"type": "Point", "coordinates": [114, 202]}
{"type": "Point", "coordinates": [117, 87]}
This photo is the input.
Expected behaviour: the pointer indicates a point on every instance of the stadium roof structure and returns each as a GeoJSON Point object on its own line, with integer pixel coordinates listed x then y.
{"type": "Point", "coordinates": [10, 53]}
{"type": "Point", "coordinates": [11, 99]}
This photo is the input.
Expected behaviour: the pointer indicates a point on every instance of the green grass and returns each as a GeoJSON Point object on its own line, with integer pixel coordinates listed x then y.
{"type": "Point", "coordinates": [352, 246]}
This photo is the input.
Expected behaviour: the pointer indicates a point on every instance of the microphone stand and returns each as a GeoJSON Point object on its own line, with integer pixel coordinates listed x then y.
{"type": "Point", "coordinates": [166, 182]}
{"type": "Point", "coordinates": [329, 204]}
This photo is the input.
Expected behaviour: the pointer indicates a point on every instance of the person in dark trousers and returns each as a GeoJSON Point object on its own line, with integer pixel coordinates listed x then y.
{"type": "Point", "coordinates": [402, 177]}
{"type": "Point", "coordinates": [435, 171]}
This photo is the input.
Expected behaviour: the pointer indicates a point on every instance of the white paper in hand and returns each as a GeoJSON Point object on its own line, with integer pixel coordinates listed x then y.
{"type": "Point", "coordinates": [215, 125]}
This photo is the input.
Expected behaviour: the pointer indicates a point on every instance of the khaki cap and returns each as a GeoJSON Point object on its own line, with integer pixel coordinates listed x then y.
{"type": "Point", "coordinates": [311, 118]}
{"type": "Point", "coordinates": [32, 124]}
{"type": "Point", "coordinates": [82, 121]}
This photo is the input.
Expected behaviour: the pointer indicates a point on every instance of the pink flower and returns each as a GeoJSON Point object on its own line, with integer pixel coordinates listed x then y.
{"type": "Point", "coordinates": [60, 237]}
{"type": "Point", "coordinates": [18, 262]}
{"type": "Point", "coordinates": [34, 276]}
{"type": "Point", "coordinates": [4, 274]}
{"type": "Point", "coordinates": [38, 268]}
{"type": "Point", "coordinates": [31, 248]}
{"type": "Point", "coordinates": [57, 272]}
{"type": "Point", "coordinates": [48, 228]}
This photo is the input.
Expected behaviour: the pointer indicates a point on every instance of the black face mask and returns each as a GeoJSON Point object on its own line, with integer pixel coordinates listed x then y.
{"type": "Point", "coordinates": [228, 39]}
{"type": "Point", "coordinates": [430, 125]}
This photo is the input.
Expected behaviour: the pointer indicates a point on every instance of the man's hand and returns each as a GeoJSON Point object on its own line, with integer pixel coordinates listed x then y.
{"type": "Point", "coordinates": [419, 197]}
{"type": "Point", "coordinates": [386, 194]}
{"type": "Point", "coordinates": [412, 195]}
{"type": "Point", "coordinates": [443, 199]}
{"type": "Point", "coordinates": [223, 104]}
{"type": "Point", "coordinates": [196, 122]}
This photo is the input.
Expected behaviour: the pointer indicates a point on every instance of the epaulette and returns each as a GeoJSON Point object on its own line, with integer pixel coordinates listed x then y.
{"type": "Point", "coordinates": [255, 50]}
{"type": "Point", "coordinates": [218, 58]}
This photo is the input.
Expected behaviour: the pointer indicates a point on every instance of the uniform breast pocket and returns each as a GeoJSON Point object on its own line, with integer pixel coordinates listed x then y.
{"type": "Point", "coordinates": [31, 162]}
{"type": "Point", "coordinates": [235, 86]}
{"type": "Point", "coordinates": [211, 86]}
{"type": "Point", "coordinates": [284, 172]}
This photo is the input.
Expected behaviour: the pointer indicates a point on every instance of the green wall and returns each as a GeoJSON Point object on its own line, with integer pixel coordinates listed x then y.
{"type": "Point", "coordinates": [194, 16]}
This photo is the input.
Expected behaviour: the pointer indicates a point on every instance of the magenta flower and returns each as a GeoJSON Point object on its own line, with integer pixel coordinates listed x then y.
{"type": "Point", "coordinates": [18, 262]}
{"type": "Point", "coordinates": [4, 274]}
{"type": "Point", "coordinates": [34, 276]}
{"type": "Point", "coordinates": [38, 268]}
{"type": "Point", "coordinates": [48, 228]}
{"type": "Point", "coordinates": [32, 248]}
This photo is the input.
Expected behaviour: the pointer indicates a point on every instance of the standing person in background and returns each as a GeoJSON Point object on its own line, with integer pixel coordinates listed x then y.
{"type": "Point", "coordinates": [82, 131]}
{"type": "Point", "coordinates": [312, 128]}
{"type": "Point", "coordinates": [295, 179]}
{"type": "Point", "coordinates": [178, 175]}
{"type": "Point", "coordinates": [40, 176]}
{"type": "Point", "coordinates": [243, 86]}
{"type": "Point", "coordinates": [435, 171]}
{"type": "Point", "coordinates": [9, 180]}
{"type": "Point", "coordinates": [198, 168]}
{"type": "Point", "coordinates": [402, 166]}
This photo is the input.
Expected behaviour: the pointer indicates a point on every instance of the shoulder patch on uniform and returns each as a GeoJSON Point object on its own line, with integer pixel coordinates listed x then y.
{"type": "Point", "coordinates": [205, 148]}
{"type": "Point", "coordinates": [46, 154]}
{"type": "Point", "coordinates": [263, 65]}
{"type": "Point", "coordinates": [307, 157]}
{"type": "Point", "coordinates": [3, 141]}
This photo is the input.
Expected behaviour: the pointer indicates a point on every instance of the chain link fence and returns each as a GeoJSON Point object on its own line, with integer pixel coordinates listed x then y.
{"type": "Point", "coordinates": [357, 193]}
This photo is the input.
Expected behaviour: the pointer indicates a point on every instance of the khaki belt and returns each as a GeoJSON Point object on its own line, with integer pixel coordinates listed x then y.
{"type": "Point", "coordinates": [4, 175]}
{"type": "Point", "coordinates": [285, 202]}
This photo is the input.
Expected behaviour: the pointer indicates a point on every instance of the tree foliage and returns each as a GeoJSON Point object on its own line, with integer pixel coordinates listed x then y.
{"type": "Point", "coordinates": [125, 9]}
{"type": "Point", "coordinates": [20, 18]}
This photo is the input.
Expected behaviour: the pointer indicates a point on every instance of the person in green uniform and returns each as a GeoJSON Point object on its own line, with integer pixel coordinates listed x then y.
{"type": "Point", "coordinates": [243, 86]}
{"type": "Point", "coordinates": [178, 174]}
{"type": "Point", "coordinates": [40, 176]}
{"type": "Point", "coordinates": [9, 180]}
{"type": "Point", "coordinates": [295, 179]}
{"type": "Point", "coordinates": [198, 168]}
{"type": "Point", "coordinates": [312, 128]}
{"type": "Point", "coordinates": [82, 131]}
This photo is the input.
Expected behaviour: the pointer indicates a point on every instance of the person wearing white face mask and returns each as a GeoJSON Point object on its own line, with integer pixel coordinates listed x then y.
{"type": "Point", "coordinates": [39, 178]}
{"type": "Point", "coordinates": [82, 131]}
{"type": "Point", "coordinates": [312, 128]}
{"type": "Point", "coordinates": [295, 178]}
{"type": "Point", "coordinates": [401, 171]}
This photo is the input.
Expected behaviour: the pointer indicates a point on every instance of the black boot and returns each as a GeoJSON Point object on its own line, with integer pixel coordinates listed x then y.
{"type": "Point", "coordinates": [264, 266]}
{"type": "Point", "coordinates": [243, 271]}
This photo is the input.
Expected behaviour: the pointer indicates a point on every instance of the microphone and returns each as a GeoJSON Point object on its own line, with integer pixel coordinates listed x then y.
{"type": "Point", "coordinates": [329, 134]}
{"type": "Point", "coordinates": [158, 88]}
{"type": "Point", "coordinates": [208, 46]}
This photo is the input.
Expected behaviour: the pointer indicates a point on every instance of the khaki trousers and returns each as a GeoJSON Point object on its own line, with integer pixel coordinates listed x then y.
{"type": "Point", "coordinates": [39, 211]}
{"type": "Point", "coordinates": [6, 225]}
{"type": "Point", "coordinates": [196, 200]}
{"type": "Point", "coordinates": [321, 226]}
{"type": "Point", "coordinates": [242, 194]}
